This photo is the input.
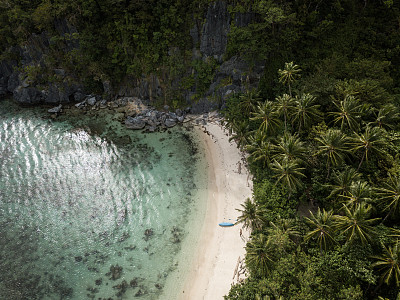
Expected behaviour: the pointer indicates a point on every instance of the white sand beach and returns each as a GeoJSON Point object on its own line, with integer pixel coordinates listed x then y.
{"type": "Point", "coordinates": [219, 248]}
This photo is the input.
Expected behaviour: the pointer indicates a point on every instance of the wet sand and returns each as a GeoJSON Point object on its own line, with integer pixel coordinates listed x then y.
{"type": "Point", "coordinates": [214, 265]}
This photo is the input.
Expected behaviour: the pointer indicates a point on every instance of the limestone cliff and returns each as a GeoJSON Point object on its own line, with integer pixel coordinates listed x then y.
{"type": "Point", "coordinates": [22, 77]}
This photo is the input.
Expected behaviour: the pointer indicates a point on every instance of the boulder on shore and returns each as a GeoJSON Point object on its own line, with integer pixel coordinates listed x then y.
{"type": "Point", "coordinates": [170, 123]}
{"type": "Point", "coordinates": [91, 101]}
{"type": "Point", "coordinates": [135, 123]}
{"type": "Point", "coordinates": [55, 110]}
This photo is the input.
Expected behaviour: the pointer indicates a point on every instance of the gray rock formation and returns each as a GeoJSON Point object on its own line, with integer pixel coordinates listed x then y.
{"type": "Point", "coordinates": [135, 123]}
{"type": "Point", "coordinates": [170, 123]}
{"type": "Point", "coordinates": [214, 35]}
{"type": "Point", "coordinates": [91, 101]}
{"type": "Point", "coordinates": [32, 55]}
{"type": "Point", "coordinates": [27, 95]}
{"type": "Point", "coordinates": [81, 104]}
{"type": "Point", "coordinates": [6, 70]}
{"type": "Point", "coordinates": [209, 39]}
{"type": "Point", "coordinates": [55, 110]}
{"type": "Point", "coordinates": [204, 105]}
{"type": "Point", "coordinates": [146, 88]}
{"type": "Point", "coordinates": [152, 120]}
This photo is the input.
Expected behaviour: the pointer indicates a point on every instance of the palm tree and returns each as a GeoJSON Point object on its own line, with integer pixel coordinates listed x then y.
{"type": "Point", "coordinates": [282, 232]}
{"type": "Point", "coordinates": [321, 228]}
{"type": "Point", "coordinates": [252, 215]}
{"type": "Point", "coordinates": [390, 195]}
{"type": "Point", "coordinates": [389, 264]}
{"type": "Point", "coordinates": [356, 224]}
{"type": "Point", "coordinates": [266, 112]}
{"type": "Point", "coordinates": [305, 111]}
{"type": "Point", "coordinates": [371, 141]}
{"type": "Point", "coordinates": [240, 133]}
{"type": "Point", "coordinates": [260, 254]}
{"type": "Point", "coordinates": [248, 101]}
{"type": "Point", "coordinates": [386, 117]}
{"type": "Point", "coordinates": [284, 107]}
{"type": "Point", "coordinates": [289, 74]}
{"type": "Point", "coordinates": [288, 173]}
{"type": "Point", "coordinates": [289, 147]}
{"type": "Point", "coordinates": [259, 149]}
{"type": "Point", "coordinates": [335, 145]}
{"type": "Point", "coordinates": [349, 113]}
{"type": "Point", "coordinates": [359, 192]}
{"type": "Point", "coordinates": [343, 181]}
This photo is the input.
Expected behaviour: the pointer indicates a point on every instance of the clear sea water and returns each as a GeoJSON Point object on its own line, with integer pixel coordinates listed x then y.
{"type": "Point", "coordinates": [91, 210]}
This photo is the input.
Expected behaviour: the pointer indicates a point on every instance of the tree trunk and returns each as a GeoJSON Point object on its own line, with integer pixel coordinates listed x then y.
{"type": "Point", "coordinates": [362, 159]}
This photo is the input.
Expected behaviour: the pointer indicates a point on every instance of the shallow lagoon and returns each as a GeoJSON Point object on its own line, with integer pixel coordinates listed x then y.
{"type": "Point", "coordinates": [90, 210]}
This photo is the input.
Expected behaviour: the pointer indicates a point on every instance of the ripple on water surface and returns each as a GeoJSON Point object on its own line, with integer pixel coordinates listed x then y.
{"type": "Point", "coordinates": [90, 215]}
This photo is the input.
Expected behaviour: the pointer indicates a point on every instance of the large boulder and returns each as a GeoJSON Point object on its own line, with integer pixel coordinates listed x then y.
{"type": "Point", "coordinates": [135, 123]}
{"type": "Point", "coordinates": [60, 93]}
{"type": "Point", "coordinates": [55, 110]}
{"type": "Point", "coordinates": [79, 96]}
{"type": "Point", "coordinates": [91, 101]}
{"type": "Point", "coordinates": [27, 95]}
{"type": "Point", "coordinates": [170, 123]}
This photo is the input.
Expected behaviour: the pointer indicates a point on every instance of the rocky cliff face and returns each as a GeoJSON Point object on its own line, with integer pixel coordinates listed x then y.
{"type": "Point", "coordinates": [210, 41]}
{"type": "Point", "coordinates": [16, 80]}
{"type": "Point", "coordinates": [214, 34]}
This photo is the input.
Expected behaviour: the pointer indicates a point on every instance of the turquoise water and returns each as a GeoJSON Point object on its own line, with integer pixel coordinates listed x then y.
{"type": "Point", "coordinates": [89, 210]}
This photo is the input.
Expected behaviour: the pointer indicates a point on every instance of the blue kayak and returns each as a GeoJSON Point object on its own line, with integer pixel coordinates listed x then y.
{"type": "Point", "coordinates": [226, 224]}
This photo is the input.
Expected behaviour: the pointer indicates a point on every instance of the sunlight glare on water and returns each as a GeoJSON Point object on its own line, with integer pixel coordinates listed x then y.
{"type": "Point", "coordinates": [87, 216]}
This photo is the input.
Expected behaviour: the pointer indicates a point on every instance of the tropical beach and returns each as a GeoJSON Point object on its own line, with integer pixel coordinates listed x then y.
{"type": "Point", "coordinates": [214, 265]}
{"type": "Point", "coordinates": [119, 181]}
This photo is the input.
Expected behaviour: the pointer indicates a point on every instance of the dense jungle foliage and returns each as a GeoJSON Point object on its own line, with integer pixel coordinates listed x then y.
{"type": "Point", "coordinates": [117, 38]}
{"type": "Point", "coordinates": [322, 137]}
{"type": "Point", "coordinates": [321, 130]}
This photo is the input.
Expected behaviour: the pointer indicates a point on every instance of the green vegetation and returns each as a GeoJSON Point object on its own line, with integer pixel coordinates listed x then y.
{"type": "Point", "coordinates": [116, 38]}
{"type": "Point", "coordinates": [340, 162]}
{"type": "Point", "coordinates": [322, 137]}
{"type": "Point", "coordinates": [321, 130]}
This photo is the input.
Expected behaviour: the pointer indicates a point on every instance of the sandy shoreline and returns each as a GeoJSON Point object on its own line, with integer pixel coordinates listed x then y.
{"type": "Point", "coordinates": [214, 264]}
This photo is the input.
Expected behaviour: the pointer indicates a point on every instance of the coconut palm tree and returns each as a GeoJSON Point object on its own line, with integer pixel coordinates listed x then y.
{"type": "Point", "coordinates": [259, 149]}
{"type": "Point", "coordinates": [284, 107]}
{"type": "Point", "coordinates": [283, 232]}
{"type": "Point", "coordinates": [389, 195]}
{"type": "Point", "coordinates": [388, 264]}
{"type": "Point", "coordinates": [335, 145]}
{"type": "Point", "coordinates": [248, 101]}
{"type": "Point", "coordinates": [251, 215]}
{"type": "Point", "coordinates": [321, 228]}
{"type": "Point", "coordinates": [343, 181]}
{"type": "Point", "coordinates": [371, 141]}
{"type": "Point", "coordinates": [359, 192]}
{"type": "Point", "coordinates": [386, 117]}
{"type": "Point", "coordinates": [260, 255]}
{"type": "Point", "coordinates": [289, 147]}
{"type": "Point", "coordinates": [266, 112]}
{"type": "Point", "coordinates": [289, 74]}
{"type": "Point", "coordinates": [348, 113]}
{"type": "Point", "coordinates": [305, 111]}
{"type": "Point", "coordinates": [288, 173]}
{"type": "Point", "coordinates": [240, 133]}
{"type": "Point", "coordinates": [356, 224]}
